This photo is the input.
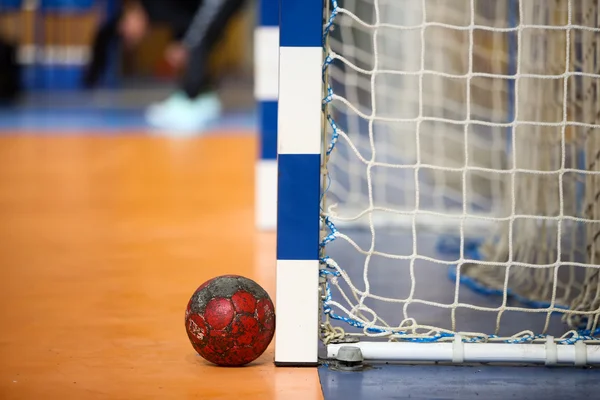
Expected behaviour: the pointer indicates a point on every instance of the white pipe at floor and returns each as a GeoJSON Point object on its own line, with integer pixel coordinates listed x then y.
{"type": "Point", "coordinates": [549, 353]}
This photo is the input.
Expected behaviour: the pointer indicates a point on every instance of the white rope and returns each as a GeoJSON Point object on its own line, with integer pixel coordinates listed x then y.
{"type": "Point", "coordinates": [434, 133]}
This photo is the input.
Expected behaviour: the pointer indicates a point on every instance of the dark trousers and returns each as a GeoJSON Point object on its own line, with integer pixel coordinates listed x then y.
{"type": "Point", "coordinates": [179, 15]}
{"type": "Point", "coordinates": [10, 72]}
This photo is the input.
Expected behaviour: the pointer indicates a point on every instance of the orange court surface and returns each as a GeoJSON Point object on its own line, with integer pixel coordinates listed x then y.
{"type": "Point", "coordinates": [103, 239]}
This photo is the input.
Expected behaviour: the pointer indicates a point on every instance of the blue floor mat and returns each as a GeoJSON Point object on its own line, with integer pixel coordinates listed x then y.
{"type": "Point", "coordinates": [441, 382]}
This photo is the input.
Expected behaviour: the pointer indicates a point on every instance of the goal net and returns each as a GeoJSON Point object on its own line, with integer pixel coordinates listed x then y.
{"type": "Point", "coordinates": [460, 171]}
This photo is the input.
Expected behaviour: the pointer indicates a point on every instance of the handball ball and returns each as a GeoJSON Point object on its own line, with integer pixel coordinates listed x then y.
{"type": "Point", "coordinates": [230, 320]}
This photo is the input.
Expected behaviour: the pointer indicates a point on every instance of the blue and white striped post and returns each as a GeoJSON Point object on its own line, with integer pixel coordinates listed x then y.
{"type": "Point", "coordinates": [299, 158]}
{"type": "Point", "coordinates": [266, 89]}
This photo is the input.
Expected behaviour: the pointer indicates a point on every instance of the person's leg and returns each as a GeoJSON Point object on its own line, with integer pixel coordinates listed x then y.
{"type": "Point", "coordinates": [105, 37]}
{"type": "Point", "coordinates": [196, 78]}
{"type": "Point", "coordinates": [10, 72]}
{"type": "Point", "coordinates": [196, 104]}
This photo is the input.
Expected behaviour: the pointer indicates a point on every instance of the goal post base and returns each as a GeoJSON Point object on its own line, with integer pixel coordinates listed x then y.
{"type": "Point", "coordinates": [296, 364]}
{"type": "Point", "coordinates": [296, 340]}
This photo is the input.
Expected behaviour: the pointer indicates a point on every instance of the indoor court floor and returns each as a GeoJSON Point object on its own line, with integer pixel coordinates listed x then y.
{"type": "Point", "coordinates": [106, 230]}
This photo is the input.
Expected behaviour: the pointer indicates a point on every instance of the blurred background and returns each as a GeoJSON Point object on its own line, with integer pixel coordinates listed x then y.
{"type": "Point", "coordinates": [107, 223]}
{"type": "Point", "coordinates": [47, 47]}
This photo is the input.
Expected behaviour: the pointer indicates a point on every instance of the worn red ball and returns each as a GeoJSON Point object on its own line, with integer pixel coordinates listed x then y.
{"type": "Point", "coordinates": [230, 320]}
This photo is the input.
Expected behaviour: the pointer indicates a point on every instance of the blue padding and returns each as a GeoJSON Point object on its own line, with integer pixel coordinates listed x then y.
{"type": "Point", "coordinates": [298, 207]}
{"type": "Point", "coordinates": [268, 129]}
{"type": "Point", "coordinates": [64, 77]}
{"type": "Point", "coordinates": [268, 12]}
{"type": "Point", "coordinates": [66, 5]}
{"type": "Point", "coordinates": [53, 77]}
{"type": "Point", "coordinates": [31, 77]}
{"type": "Point", "coordinates": [301, 23]}
{"type": "Point", "coordinates": [7, 5]}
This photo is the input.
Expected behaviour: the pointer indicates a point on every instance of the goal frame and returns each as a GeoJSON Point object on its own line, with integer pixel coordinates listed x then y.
{"type": "Point", "coordinates": [298, 181]}
{"type": "Point", "coordinates": [266, 91]}
{"type": "Point", "coordinates": [299, 153]}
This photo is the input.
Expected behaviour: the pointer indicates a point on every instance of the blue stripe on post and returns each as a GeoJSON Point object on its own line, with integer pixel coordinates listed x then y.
{"type": "Point", "coordinates": [268, 123]}
{"type": "Point", "coordinates": [268, 13]}
{"type": "Point", "coordinates": [301, 23]}
{"type": "Point", "coordinates": [298, 207]}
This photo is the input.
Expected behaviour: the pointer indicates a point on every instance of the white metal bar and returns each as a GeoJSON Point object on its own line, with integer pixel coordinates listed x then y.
{"type": "Point", "coordinates": [300, 85]}
{"type": "Point", "coordinates": [578, 354]}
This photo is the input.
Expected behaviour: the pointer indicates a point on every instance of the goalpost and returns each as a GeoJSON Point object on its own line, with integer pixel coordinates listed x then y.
{"type": "Point", "coordinates": [438, 181]}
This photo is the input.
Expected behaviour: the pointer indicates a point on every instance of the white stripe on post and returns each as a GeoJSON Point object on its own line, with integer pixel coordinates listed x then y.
{"type": "Point", "coordinates": [265, 201]}
{"type": "Point", "coordinates": [296, 338]}
{"type": "Point", "coordinates": [266, 63]}
{"type": "Point", "coordinates": [300, 88]}
{"type": "Point", "coordinates": [266, 90]}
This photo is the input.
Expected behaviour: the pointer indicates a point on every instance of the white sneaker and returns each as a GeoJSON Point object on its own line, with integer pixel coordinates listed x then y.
{"type": "Point", "coordinates": [180, 114]}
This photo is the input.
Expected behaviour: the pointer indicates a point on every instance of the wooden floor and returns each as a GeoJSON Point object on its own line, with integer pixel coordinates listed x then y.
{"type": "Point", "coordinates": [102, 241]}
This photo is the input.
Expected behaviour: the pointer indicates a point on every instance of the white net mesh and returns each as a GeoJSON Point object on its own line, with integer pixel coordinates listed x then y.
{"type": "Point", "coordinates": [471, 125]}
